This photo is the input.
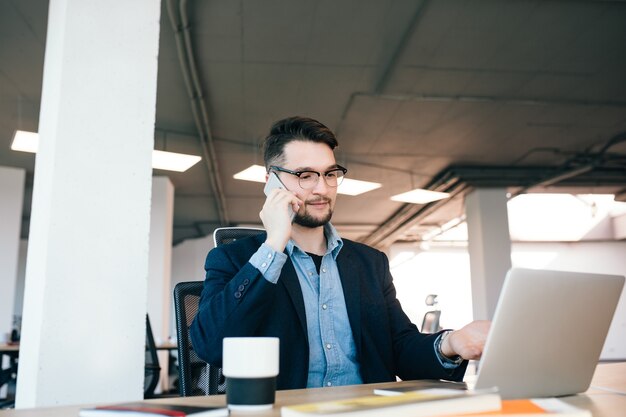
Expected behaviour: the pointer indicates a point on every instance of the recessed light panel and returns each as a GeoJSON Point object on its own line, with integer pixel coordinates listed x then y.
{"type": "Point", "coordinates": [355, 187]}
{"type": "Point", "coordinates": [254, 173]}
{"type": "Point", "coordinates": [25, 141]}
{"type": "Point", "coordinates": [420, 196]}
{"type": "Point", "coordinates": [170, 161]}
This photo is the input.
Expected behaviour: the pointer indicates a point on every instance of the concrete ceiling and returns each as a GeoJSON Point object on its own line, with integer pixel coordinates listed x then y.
{"type": "Point", "coordinates": [442, 94]}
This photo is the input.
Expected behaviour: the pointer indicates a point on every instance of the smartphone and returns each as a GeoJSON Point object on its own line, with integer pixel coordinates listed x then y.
{"type": "Point", "coordinates": [274, 182]}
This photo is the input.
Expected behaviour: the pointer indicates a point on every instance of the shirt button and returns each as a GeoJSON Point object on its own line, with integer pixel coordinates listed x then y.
{"type": "Point", "coordinates": [328, 384]}
{"type": "Point", "coordinates": [323, 269]}
{"type": "Point", "coordinates": [246, 281]}
{"type": "Point", "coordinates": [324, 306]}
{"type": "Point", "coordinates": [241, 288]}
{"type": "Point", "coordinates": [328, 345]}
{"type": "Point", "coordinates": [263, 265]}
{"type": "Point", "coordinates": [238, 294]}
{"type": "Point", "coordinates": [269, 256]}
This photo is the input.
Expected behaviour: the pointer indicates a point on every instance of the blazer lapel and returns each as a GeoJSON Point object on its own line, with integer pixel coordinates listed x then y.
{"type": "Point", "coordinates": [289, 278]}
{"type": "Point", "coordinates": [350, 275]}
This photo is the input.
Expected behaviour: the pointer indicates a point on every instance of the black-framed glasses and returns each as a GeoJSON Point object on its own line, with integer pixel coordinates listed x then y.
{"type": "Point", "coordinates": [309, 179]}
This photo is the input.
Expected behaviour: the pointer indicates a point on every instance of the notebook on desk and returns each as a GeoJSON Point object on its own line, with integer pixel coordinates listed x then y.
{"type": "Point", "coordinates": [547, 332]}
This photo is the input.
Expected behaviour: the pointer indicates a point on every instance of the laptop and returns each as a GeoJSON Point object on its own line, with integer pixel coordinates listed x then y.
{"type": "Point", "coordinates": [547, 332]}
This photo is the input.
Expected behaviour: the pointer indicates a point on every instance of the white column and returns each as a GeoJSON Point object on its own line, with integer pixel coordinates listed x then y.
{"type": "Point", "coordinates": [160, 265]}
{"type": "Point", "coordinates": [86, 276]}
{"type": "Point", "coordinates": [11, 200]}
{"type": "Point", "coordinates": [489, 248]}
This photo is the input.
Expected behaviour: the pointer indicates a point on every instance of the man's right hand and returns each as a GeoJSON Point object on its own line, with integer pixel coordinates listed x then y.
{"type": "Point", "coordinates": [276, 219]}
{"type": "Point", "coordinates": [467, 342]}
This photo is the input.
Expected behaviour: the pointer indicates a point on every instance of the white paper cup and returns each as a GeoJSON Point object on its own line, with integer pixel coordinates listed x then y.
{"type": "Point", "coordinates": [250, 365]}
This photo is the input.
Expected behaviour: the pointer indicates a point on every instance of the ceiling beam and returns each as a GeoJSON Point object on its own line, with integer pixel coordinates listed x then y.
{"type": "Point", "coordinates": [493, 99]}
{"type": "Point", "coordinates": [460, 180]}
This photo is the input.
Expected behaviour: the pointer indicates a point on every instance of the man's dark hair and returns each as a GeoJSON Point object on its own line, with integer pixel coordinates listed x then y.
{"type": "Point", "coordinates": [287, 130]}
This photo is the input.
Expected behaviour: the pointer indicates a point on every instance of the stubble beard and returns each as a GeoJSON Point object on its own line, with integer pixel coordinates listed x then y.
{"type": "Point", "coordinates": [306, 220]}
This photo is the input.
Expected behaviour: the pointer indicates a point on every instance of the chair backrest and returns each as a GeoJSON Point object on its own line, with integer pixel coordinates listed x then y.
{"type": "Point", "coordinates": [152, 369]}
{"type": "Point", "coordinates": [224, 235]}
{"type": "Point", "coordinates": [195, 377]}
{"type": "Point", "coordinates": [430, 323]}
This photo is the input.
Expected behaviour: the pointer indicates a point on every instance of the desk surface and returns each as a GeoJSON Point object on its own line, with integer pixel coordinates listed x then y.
{"type": "Point", "coordinates": [6, 348]}
{"type": "Point", "coordinates": [598, 399]}
{"type": "Point", "coordinates": [167, 346]}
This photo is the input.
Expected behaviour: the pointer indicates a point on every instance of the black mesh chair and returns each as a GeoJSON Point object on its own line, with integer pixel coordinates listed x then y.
{"type": "Point", "coordinates": [195, 377]}
{"type": "Point", "coordinates": [225, 235]}
{"type": "Point", "coordinates": [152, 369]}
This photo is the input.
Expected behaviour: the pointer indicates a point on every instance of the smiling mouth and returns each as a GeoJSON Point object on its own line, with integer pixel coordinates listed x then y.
{"type": "Point", "coordinates": [318, 203]}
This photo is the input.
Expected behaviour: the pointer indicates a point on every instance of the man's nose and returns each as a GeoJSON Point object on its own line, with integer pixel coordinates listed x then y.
{"type": "Point", "coordinates": [321, 187]}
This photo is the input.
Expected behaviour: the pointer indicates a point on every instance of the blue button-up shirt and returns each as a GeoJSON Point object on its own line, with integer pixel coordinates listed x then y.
{"type": "Point", "coordinates": [332, 352]}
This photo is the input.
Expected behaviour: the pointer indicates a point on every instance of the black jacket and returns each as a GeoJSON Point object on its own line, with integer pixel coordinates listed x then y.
{"type": "Point", "coordinates": [238, 301]}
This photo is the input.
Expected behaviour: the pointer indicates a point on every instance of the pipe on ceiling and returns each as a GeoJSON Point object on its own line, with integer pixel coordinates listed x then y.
{"type": "Point", "coordinates": [196, 97]}
{"type": "Point", "coordinates": [409, 214]}
{"type": "Point", "coordinates": [459, 180]}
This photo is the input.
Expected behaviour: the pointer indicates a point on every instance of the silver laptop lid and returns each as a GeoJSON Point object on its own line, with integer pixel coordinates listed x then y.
{"type": "Point", "coordinates": [547, 332]}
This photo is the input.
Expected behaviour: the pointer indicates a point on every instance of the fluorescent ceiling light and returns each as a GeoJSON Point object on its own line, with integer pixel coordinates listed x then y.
{"type": "Point", "coordinates": [349, 186]}
{"type": "Point", "coordinates": [25, 141]}
{"type": "Point", "coordinates": [254, 173]}
{"type": "Point", "coordinates": [170, 161]}
{"type": "Point", "coordinates": [355, 187]}
{"type": "Point", "coordinates": [420, 196]}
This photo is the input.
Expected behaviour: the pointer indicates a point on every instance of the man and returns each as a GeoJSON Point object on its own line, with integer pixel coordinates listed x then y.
{"type": "Point", "coordinates": [331, 301]}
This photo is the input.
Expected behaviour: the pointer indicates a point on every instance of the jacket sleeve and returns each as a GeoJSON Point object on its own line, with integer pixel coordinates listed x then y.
{"type": "Point", "coordinates": [414, 352]}
{"type": "Point", "coordinates": [234, 301]}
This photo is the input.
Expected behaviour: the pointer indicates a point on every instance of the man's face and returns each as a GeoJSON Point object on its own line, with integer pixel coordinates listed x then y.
{"type": "Point", "coordinates": [319, 201]}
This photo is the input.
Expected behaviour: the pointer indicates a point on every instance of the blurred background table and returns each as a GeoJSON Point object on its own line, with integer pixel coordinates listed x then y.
{"type": "Point", "coordinates": [9, 353]}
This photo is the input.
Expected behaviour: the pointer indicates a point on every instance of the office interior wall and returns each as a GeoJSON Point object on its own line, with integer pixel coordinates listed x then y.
{"type": "Point", "coordinates": [188, 265]}
{"type": "Point", "coordinates": [444, 271]}
{"type": "Point", "coordinates": [619, 227]}
{"type": "Point", "coordinates": [11, 201]}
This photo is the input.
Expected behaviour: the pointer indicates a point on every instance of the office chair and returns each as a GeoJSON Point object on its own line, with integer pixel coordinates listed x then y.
{"type": "Point", "coordinates": [224, 235]}
{"type": "Point", "coordinates": [152, 369]}
{"type": "Point", "coordinates": [430, 322]}
{"type": "Point", "coordinates": [195, 376]}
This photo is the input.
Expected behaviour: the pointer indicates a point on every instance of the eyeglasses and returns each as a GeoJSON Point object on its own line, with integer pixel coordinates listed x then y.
{"type": "Point", "coordinates": [309, 179]}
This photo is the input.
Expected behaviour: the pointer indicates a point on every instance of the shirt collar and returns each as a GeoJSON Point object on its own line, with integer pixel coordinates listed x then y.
{"type": "Point", "coordinates": [333, 242]}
